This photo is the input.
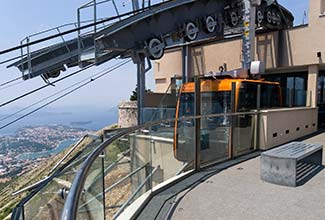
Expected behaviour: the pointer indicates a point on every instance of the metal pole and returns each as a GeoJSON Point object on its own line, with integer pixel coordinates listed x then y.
{"type": "Point", "coordinates": [135, 193]}
{"type": "Point", "coordinates": [135, 5]}
{"type": "Point", "coordinates": [141, 86]}
{"type": "Point", "coordinates": [79, 44]}
{"type": "Point", "coordinates": [29, 58]}
{"type": "Point", "coordinates": [95, 29]}
{"type": "Point", "coordinates": [249, 32]}
{"type": "Point", "coordinates": [257, 118]}
{"type": "Point", "coordinates": [253, 28]}
{"type": "Point", "coordinates": [103, 184]}
{"type": "Point", "coordinates": [233, 109]}
{"type": "Point", "coordinates": [186, 63]}
{"type": "Point", "coordinates": [197, 101]}
{"type": "Point", "coordinates": [22, 55]}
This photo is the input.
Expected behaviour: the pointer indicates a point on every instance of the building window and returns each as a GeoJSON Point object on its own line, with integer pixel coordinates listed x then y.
{"type": "Point", "coordinates": [294, 86]}
{"type": "Point", "coordinates": [161, 81]}
{"type": "Point", "coordinates": [321, 89]}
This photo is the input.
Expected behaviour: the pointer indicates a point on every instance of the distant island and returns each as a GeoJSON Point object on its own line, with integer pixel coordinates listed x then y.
{"type": "Point", "coordinates": [80, 123]}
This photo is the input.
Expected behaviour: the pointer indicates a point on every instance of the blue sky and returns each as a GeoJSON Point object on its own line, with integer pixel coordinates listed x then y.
{"type": "Point", "coordinates": [20, 18]}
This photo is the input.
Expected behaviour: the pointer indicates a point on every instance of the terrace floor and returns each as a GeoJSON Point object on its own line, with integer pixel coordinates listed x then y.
{"type": "Point", "coordinates": [238, 193]}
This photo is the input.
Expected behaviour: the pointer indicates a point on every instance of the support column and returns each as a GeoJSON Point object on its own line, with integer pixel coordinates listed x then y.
{"type": "Point", "coordinates": [249, 32]}
{"type": "Point", "coordinates": [141, 86]}
{"type": "Point", "coordinates": [312, 83]}
{"type": "Point", "coordinates": [197, 124]}
{"type": "Point", "coordinates": [186, 63]}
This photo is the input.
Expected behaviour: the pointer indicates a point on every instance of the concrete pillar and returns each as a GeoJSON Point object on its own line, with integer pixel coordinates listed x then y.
{"type": "Point", "coordinates": [313, 71]}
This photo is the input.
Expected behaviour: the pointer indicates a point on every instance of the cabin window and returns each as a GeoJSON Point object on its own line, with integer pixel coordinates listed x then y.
{"type": "Point", "coordinates": [215, 102]}
{"type": "Point", "coordinates": [270, 96]}
{"type": "Point", "coordinates": [186, 105]}
{"type": "Point", "coordinates": [247, 98]}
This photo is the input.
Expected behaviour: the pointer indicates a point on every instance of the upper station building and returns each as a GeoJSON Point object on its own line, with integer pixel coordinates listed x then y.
{"type": "Point", "coordinates": [294, 57]}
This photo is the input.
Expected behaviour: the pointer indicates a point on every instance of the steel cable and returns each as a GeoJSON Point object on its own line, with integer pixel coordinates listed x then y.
{"type": "Point", "coordinates": [88, 81]}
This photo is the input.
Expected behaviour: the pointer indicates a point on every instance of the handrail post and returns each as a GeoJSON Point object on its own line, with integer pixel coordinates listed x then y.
{"type": "Point", "coordinates": [197, 124]}
{"type": "Point", "coordinates": [231, 131]}
{"type": "Point", "coordinates": [257, 118]}
{"type": "Point", "coordinates": [95, 30]}
{"type": "Point", "coordinates": [135, 5]}
{"type": "Point", "coordinates": [103, 182]}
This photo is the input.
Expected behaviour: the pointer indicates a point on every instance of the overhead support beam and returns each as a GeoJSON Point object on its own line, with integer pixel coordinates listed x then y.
{"type": "Point", "coordinates": [166, 24]}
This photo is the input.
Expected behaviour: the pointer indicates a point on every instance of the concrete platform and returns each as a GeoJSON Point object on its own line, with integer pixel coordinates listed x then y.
{"type": "Point", "coordinates": [237, 193]}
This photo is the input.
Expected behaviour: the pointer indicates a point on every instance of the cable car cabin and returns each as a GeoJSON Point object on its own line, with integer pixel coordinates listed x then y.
{"type": "Point", "coordinates": [216, 99]}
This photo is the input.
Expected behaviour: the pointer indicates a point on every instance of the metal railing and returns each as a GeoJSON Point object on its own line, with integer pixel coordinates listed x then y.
{"type": "Point", "coordinates": [152, 147]}
{"type": "Point", "coordinates": [26, 208]}
{"type": "Point", "coordinates": [121, 10]}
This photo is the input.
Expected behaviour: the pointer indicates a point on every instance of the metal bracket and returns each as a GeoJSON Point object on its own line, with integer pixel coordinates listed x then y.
{"type": "Point", "coordinates": [47, 81]}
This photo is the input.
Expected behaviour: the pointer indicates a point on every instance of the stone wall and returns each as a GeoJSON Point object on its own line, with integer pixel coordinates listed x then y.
{"type": "Point", "coordinates": [127, 114]}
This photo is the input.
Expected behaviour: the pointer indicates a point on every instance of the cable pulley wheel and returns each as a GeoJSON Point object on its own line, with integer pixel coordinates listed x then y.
{"type": "Point", "coordinates": [210, 24]}
{"type": "Point", "coordinates": [156, 49]}
{"type": "Point", "coordinates": [259, 17]}
{"type": "Point", "coordinates": [234, 19]}
{"type": "Point", "coordinates": [52, 74]}
{"type": "Point", "coordinates": [278, 18]}
{"type": "Point", "coordinates": [274, 20]}
{"type": "Point", "coordinates": [269, 17]}
{"type": "Point", "coordinates": [191, 31]}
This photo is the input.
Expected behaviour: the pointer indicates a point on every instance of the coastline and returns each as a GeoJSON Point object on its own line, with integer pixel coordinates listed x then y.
{"type": "Point", "coordinates": [59, 148]}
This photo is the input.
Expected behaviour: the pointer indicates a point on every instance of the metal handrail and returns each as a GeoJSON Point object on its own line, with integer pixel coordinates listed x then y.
{"type": "Point", "coordinates": [68, 153]}
{"type": "Point", "coordinates": [41, 184]}
{"type": "Point", "coordinates": [135, 193]}
{"type": "Point", "coordinates": [72, 202]}
{"type": "Point", "coordinates": [35, 185]}
{"type": "Point", "coordinates": [108, 169]}
{"type": "Point", "coordinates": [110, 188]}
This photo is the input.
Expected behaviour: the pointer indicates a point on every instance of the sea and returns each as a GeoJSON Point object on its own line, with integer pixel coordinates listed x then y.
{"type": "Point", "coordinates": [61, 147]}
{"type": "Point", "coordinates": [91, 119]}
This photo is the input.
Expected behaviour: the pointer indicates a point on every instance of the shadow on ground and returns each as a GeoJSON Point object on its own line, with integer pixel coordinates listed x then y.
{"type": "Point", "coordinates": [163, 204]}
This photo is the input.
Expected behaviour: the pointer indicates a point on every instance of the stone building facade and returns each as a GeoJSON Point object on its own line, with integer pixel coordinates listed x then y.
{"type": "Point", "coordinates": [127, 114]}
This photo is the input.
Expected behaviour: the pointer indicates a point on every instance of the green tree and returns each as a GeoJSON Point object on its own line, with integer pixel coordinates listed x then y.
{"type": "Point", "coordinates": [134, 96]}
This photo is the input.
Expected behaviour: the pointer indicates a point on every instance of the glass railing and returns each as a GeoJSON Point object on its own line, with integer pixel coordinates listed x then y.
{"type": "Point", "coordinates": [47, 198]}
{"type": "Point", "coordinates": [158, 114]}
{"type": "Point", "coordinates": [165, 103]}
{"type": "Point", "coordinates": [131, 166]}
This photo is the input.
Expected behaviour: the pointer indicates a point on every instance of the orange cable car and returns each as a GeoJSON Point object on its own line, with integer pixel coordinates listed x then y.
{"type": "Point", "coordinates": [216, 99]}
